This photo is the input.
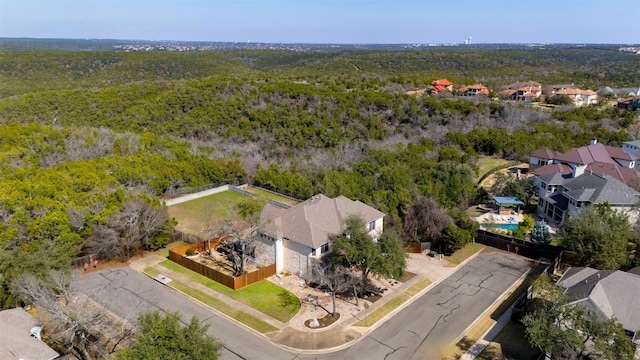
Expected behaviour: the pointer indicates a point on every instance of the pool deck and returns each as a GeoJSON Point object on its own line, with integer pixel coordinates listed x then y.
{"type": "Point", "coordinates": [494, 218]}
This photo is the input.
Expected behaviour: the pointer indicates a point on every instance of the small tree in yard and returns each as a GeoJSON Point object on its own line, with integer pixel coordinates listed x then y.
{"type": "Point", "coordinates": [425, 220]}
{"type": "Point", "coordinates": [540, 233]}
{"type": "Point", "coordinates": [334, 277]}
{"type": "Point", "coordinates": [455, 238]}
{"type": "Point", "coordinates": [241, 245]}
{"type": "Point", "coordinates": [356, 248]}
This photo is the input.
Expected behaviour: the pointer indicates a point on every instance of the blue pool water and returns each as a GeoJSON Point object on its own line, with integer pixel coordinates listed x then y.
{"type": "Point", "coordinates": [505, 226]}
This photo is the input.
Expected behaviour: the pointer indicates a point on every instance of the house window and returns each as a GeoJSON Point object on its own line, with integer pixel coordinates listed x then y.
{"type": "Point", "coordinates": [324, 248]}
{"type": "Point", "coordinates": [372, 226]}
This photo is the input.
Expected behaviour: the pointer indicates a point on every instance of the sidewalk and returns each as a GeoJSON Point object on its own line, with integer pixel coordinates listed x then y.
{"type": "Point", "coordinates": [481, 344]}
{"type": "Point", "coordinates": [336, 336]}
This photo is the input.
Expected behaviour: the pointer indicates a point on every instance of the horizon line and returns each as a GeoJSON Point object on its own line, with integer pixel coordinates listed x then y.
{"type": "Point", "coordinates": [318, 43]}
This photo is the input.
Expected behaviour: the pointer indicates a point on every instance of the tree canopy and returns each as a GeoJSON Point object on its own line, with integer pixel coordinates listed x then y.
{"type": "Point", "coordinates": [164, 337]}
{"type": "Point", "coordinates": [357, 248]}
{"type": "Point", "coordinates": [571, 330]}
{"type": "Point", "coordinates": [600, 236]}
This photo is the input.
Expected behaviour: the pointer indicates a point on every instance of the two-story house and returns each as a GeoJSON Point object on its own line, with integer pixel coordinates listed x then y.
{"type": "Point", "coordinates": [440, 85]}
{"type": "Point", "coordinates": [473, 90]}
{"type": "Point", "coordinates": [593, 174]}
{"type": "Point", "coordinates": [521, 91]}
{"type": "Point", "coordinates": [578, 96]}
{"type": "Point", "coordinates": [293, 238]}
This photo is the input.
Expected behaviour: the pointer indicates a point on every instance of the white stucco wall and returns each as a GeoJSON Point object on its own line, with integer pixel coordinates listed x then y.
{"type": "Point", "coordinates": [197, 195]}
{"type": "Point", "coordinates": [534, 160]}
{"type": "Point", "coordinates": [377, 230]}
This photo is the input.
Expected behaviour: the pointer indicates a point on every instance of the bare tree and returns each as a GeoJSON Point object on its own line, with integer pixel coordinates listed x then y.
{"type": "Point", "coordinates": [335, 278]}
{"type": "Point", "coordinates": [240, 226]}
{"type": "Point", "coordinates": [132, 229]}
{"type": "Point", "coordinates": [74, 321]}
{"type": "Point", "coordinates": [425, 220]}
{"type": "Point", "coordinates": [76, 219]}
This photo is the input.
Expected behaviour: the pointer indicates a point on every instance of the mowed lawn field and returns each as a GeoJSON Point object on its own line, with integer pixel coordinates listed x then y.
{"type": "Point", "coordinates": [485, 164]}
{"type": "Point", "coordinates": [192, 215]}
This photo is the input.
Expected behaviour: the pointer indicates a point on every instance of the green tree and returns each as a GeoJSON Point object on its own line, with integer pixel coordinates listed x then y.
{"type": "Point", "coordinates": [568, 331]}
{"type": "Point", "coordinates": [527, 223]}
{"type": "Point", "coordinates": [164, 337]}
{"type": "Point", "coordinates": [540, 233]}
{"type": "Point", "coordinates": [559, 100]}
{"type": "Point", "coordinates": [600, 236]}
{"type": "Point", "coordinates": [393, 253]}
{"type": "Point", "coordinates": [455, 238]}
{"type": "Point", "coordinates": [357, 248]}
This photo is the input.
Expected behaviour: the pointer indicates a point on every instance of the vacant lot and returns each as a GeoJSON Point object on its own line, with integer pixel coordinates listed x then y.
{"type": "Point", "coordinates": [271, 195]}
{"type": "Point", "coordinates": [486, 163]}
{"type": "Point", "coordinates": [194, 216]}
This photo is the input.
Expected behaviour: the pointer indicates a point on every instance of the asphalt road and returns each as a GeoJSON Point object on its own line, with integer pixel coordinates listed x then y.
{"type": "Point", "coordinates": [419, 331]}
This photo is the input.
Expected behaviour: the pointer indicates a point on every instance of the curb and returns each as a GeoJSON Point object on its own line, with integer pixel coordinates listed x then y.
{"type": "Point", "coordinates": [420, 294]}
{"type": "Point", "coordinates": [385, 318]}
{"type": "Point", "coordinates": [256, 332]}
{"type": "Point", "coordinates": [513, 286]}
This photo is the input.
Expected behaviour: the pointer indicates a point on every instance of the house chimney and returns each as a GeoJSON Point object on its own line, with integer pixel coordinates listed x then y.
{"type": "Point", "coordinates": [593, 141]}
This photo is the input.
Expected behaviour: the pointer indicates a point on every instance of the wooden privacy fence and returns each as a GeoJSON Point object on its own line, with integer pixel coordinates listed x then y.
{"type": "Point", "coordinates": [416, 248]}
{"type": "Point", "coordinates": [177, 255]}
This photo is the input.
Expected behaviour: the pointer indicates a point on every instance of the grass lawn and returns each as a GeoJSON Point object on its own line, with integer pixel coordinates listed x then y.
{"type": "Point", "coordinates": [486, 163]}
{"type": "Point", "coordinates": [392, 304]}
{"type": "Point", "coordinates": [271, 196]}
{"type": "Point", "coordinates": [263, 296]}
{"type": "Point", "coordinates": [463, 254]}
{"type": "Point", "coordinates": [218, 304]}
{"type": "Point", "coordinates": [191, 215]}
{"type": "Point", "coordinates": [165, 252]}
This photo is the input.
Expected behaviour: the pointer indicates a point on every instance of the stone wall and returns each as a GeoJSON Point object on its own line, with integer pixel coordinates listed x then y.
{"type": "Point", "coordinates": [265, 251]}
{"type": "Point", "coordinates": [296, 258]}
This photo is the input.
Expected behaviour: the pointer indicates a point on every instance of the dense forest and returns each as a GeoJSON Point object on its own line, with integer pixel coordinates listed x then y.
{"type": "Point", "coordinates": [89, 141]}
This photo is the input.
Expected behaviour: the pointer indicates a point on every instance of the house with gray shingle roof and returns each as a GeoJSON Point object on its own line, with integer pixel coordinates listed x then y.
{"type": "Point", "coordinates": [294, 237]}
{"type": "Point", "coordinates": [610, 293]}
{"type": "Point", "coordinates": [593, 174]}
{"type": "Point", "coordinates": [19, 337]}
{"type": "Point", "coordinates": [563, 196]}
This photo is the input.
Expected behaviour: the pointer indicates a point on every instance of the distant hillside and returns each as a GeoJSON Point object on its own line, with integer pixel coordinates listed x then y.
{"type": "Point", "coordinates": [26, 67]}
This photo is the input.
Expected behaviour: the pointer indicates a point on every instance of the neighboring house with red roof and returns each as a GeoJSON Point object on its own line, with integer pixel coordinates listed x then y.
{"type": "Point", "coordinates": [578, 96]}
{"type": "Point", "coordinates": [521, 91]}
{"type": "Point", "coordinates": [473, 90]}
{"type": "Point", "coordinates": [609, 293]}
{"type": "Point", "coordinates": [293, 238]}
{"type": "Point", "coordinates": [440, 85]}
{"type": "Point", "coordinates": [593, 174]}
{"type": "Point", "coordinates": [542, 157]}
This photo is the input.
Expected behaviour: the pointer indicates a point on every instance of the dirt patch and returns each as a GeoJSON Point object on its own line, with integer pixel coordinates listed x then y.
{"type": "Point", "coordinates": [328, 320]}
{"type": "Point", "coordinates": [491, 179]}
{"type": "Point", "coordinates": [407, 276]}
{"type": "Point", "coordinates": [102, 265]}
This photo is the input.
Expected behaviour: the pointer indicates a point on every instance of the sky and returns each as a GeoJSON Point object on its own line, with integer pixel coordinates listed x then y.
{"type": "Point", "coordinates": [327, 21]}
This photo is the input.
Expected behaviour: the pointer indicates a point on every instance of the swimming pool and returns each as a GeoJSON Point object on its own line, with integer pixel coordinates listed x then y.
{"type": "Point", "coordinates": [512, 226]}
